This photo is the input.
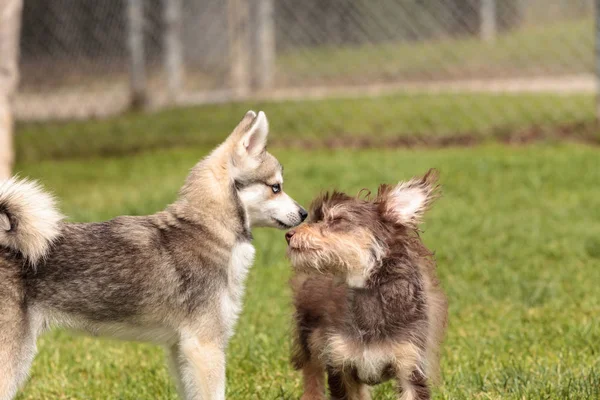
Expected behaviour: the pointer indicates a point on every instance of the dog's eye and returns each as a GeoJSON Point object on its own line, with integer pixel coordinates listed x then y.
{"type": "Point", "coordinates": [276, 188]}
{"type": "Point", "coordinates": [336, 221]}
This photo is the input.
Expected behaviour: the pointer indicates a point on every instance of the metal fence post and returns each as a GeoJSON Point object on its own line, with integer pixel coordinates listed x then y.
{"type": "Point", "coordinates": [135, 42]}
{"type": "Point", "coordinates": [262, 25]}
{"type": "Point", "coordinates": [239, 56]}
{"type": "Point", "coordinates": [173, 47]}
{"type": "Point", "coordinates": [10, 28]}
{"type": "Point", "coordinates": [597, 56]}
{"type": "Point", "coordinates": [487, 15]}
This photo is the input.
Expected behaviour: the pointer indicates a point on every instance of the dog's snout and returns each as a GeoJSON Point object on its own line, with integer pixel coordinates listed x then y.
{"type": "Point", "coordinates": [303, 214]}
{"type": "Point", "coordinates": [288, 236]}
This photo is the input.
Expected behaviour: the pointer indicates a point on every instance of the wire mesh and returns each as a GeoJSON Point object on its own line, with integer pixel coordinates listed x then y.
{"type": "Point", "coordinates": [75, 62]}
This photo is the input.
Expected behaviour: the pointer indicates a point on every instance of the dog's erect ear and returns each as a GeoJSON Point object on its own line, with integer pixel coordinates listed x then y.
{"type": "Point", "coordinates": [408, 201]}
{"type": "Point", "coordinates": [255, 139]}
{"type": "Point", "coordinates": [251, 134]}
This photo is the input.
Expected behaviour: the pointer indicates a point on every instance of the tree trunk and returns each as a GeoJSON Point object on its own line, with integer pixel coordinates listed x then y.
{"type": "Point", "coordinates": [262, 45]}
{"type": "Point", "coordinates": [488, 20]}
{"type": "Point", "coordinates": [10, 27]}
{"type": "Point", "coordinates": [239, 56]}
{"type": "Point", "coordinates": [137, 60]}
{"type": "Point", "coordinates": [173, 48]}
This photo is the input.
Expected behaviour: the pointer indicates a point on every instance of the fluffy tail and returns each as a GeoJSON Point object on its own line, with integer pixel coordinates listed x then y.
{"type": "Point", "coordinates": [29, 219]}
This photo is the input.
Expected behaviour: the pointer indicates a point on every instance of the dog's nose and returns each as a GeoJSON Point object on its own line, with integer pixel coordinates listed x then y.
{"type": "Point", "coordinates": [288, 236]}
{"type": "Point", "coordinates": [303, 214]}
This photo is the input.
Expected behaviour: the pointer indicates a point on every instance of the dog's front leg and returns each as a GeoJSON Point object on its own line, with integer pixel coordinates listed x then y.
{"type": "Point", "coordinates": [201, 369]}
{"type": "Point", "coordinates": [413, 386]}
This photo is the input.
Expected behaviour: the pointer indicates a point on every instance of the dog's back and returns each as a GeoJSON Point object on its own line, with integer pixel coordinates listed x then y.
{"type": "Point", "coordinates": [131, 272]}
{"type": "Point", "coordinates": [125, 277]}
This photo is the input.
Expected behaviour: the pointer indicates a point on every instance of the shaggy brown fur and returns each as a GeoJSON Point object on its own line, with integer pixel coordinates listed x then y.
{"type": "Point", "coordinates": [376, 310]}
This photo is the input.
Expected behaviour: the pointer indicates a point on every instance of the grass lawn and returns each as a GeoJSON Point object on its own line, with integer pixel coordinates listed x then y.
{"type": "Point", "coordinates": [483, 117]}
{"type": "Point", "coordinates": [558, 48]}
{"type": "Point", "coordinates": [517, 238]}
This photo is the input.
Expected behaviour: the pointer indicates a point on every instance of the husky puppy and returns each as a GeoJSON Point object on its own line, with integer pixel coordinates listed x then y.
{"type": "Point", "coordinates": [368, 303]}
{"type": "Point", "coordinates": [175, 278]}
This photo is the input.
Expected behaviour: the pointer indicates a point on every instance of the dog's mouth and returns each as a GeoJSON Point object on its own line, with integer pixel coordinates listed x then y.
{"type": "Point", "coordinates": [282, 224]}
{"type": "Point", "coordinates": [291, 247]}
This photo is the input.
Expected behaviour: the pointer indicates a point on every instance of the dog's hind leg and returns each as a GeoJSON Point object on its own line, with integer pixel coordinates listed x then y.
{"type": "Point", "coordinates": [17, 345]}
{"type": "Point", "coordinates": [174, 358]}
{"type": "Point", "coordinates": [313, 375]}
{"type": "Point", "coordinates": [16, 355]}
{"type": "Point", "coordinates": [201, 369]}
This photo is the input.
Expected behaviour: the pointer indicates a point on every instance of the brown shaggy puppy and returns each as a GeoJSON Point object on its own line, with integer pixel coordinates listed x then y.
{"type": "Point", "coordinates": [368, 303]}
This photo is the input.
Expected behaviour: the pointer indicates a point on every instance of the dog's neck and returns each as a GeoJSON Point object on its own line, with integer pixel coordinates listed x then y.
{"type": "Point", "coordinates": [389, 269]}
{"type": "Point", "coordinates": [390, 299]}
{"type": "Point", "coordinates": [360, 277]}
{"type": "Point", "coordinates": [209, 196]}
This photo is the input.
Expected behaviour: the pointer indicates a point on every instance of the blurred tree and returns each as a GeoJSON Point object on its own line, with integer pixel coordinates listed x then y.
{"type": "Point", "coordinates": [10, 23]}
{"type": "Point", "coordinates": [509, 14]}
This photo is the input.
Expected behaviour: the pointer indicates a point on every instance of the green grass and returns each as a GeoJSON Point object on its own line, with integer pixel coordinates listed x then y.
{"type": "Point", "coordinates": [517, 233]}
{"type": "Point", "coordinates": [400, 116]}
{"type": "Point", "coordinates": [559, 48]}
{"type": "Point", "coordinates": [517, 239]}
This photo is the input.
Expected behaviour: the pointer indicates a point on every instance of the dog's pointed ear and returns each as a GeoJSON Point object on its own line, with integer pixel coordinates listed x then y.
{"type": "Point", "coordinates": [4, 222]}
{"type": "Point", "coordinates": [251, 134]}
{"type": "Point", "coordinates": [407, 201]}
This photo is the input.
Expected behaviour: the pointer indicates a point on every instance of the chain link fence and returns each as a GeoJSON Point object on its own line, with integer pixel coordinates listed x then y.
{"type": "Point", "coordinates": [88, 58]}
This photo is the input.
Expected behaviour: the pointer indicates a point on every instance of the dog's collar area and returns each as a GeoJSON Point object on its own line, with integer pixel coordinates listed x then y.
{"type": "Point", "coordinates": [245, 236]}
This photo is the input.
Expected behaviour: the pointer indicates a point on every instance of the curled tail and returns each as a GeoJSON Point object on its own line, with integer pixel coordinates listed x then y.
{"type": "Point", "coordinates": [29, 218]}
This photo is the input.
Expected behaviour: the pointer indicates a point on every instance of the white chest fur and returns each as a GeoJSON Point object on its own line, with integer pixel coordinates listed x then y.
{"type": "Point", "coordinates": [240, 262]}
{"type": "Point", "coordinates": [369, 361]}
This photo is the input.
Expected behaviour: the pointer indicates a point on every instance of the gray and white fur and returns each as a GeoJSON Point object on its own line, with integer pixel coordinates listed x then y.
{"type": "Point", "coordinates": [175, 278]}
